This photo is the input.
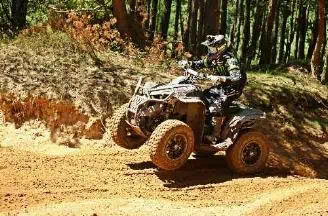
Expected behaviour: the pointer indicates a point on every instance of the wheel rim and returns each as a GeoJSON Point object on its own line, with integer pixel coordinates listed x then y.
{"type": "Point", "coordinates": [176, 146]}
{"type": "Point", "coordinates": [251, 153]}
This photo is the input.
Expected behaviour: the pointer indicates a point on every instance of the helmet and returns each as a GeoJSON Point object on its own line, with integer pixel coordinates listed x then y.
{"type": "Point", "coordinates": [215, 44]}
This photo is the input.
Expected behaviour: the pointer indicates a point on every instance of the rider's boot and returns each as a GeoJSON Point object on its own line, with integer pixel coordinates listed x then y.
{"type": "Point", "coordinates": [216, 125]}
{"type": "Point", "coordinates": [218, 143]}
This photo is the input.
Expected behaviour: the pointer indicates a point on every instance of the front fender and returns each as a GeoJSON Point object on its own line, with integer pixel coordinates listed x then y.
{"type": "Point", "coordinates": [194, 109]}
{"type": "Point", "coordinates": [244, 119]}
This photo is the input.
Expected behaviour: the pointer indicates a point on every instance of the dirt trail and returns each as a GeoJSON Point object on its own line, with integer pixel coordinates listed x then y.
{"type": "Point", "coordinates": [112, 181]}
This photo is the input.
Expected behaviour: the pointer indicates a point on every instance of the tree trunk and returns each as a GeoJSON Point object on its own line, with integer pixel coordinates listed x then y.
{"type": "Point", "coordinates": [303, 30]}
{"type": "Point", "coordinates": [18, 13]}
{"type": "Point", "coordinates": [285, 15]}
{"type": "Point", "coordinates": [212, 19]}
{"type": "Point", "coordinates": [239, 24]}
{"type": "Point", "coordinates": [153, 18]}
{"type": "Point", "coordinates": [200, 35]}
{"type": "Point", "coordinates": [181, 24]}
{"type": "Point", "coordinates": [193, 27]}
{"type": "Point", "coordinates": [297, 29]}
{"type": "Point", "coordinates": [275, 35]}
{"type": "Point", "coordinates": [176, 21]}
{"type": "Point", "coordinates": [127, 26]}
{"type": "Point", "coordinates": [119, 9]}
{"type": "Point", "coordinates": [186, 33]}
{"type": "Point", "coordinates": [323, 51]}
{"type": "Point", "coordinates": [291, 31]}
{"type": "Point", "coordinates": [245, 33]}
{"type": "Point", "coordinates": [262, 39]}
{"type": "Point", "coordinates": [223, 22]}
{"type": "Point", "coordinates": [233, 28]}
{"type": "Point", "coordinates": [267, 46]}
{"type": "Point", "coordinates": [148, 14]}
{"type": "Point", "coordinates": [132, 4]}
{"type": "Point", "coordinates": [316, 57]}
{"type": "Point", "coordinates": [166, 18]}
{"type": "Point", "coordinates": [324, 75]}
{"type": "Point", "coordinates": [314, 37]}
{"type": "Point", "coordinates": [256, 30]}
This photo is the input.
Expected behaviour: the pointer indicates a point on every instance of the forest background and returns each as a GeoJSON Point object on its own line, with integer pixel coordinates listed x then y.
{"type": "Point", "coordinates": [263, 33]}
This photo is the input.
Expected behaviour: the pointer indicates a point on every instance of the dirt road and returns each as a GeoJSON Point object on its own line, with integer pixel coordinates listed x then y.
{"type": "Point", "coordinates": [112, 181]}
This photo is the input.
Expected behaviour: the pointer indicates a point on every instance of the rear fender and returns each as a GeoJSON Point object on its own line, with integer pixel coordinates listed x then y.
{"type": "Point", "coordinates": [245, 119]}
{"type": "Point", "coordinates": [194, 110]}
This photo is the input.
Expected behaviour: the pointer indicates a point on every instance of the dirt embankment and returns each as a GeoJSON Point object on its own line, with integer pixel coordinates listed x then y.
{"type": "Point", "coordinates": [52, 82]}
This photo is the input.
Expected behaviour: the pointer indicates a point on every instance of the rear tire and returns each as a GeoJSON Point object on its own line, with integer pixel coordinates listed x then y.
{"type": "Point", "coordinates": [171, 144]}
{"type": "Point", "coordinates": [249, 154]}
{"type": "Point", "coordinates": [120, 131]}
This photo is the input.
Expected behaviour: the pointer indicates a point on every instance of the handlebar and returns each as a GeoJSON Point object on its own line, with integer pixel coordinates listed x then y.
{"type": "Point", "coordinates": [192, 72]}
{"type": "Point", "coordinates": [201, 76]}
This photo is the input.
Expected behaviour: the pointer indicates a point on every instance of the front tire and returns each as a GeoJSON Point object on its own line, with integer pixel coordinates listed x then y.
{"type": "Point", "coordinates": [122, 133]}
{"type": "Point", "coordinates": [249, 154]}
{"type": "Point", "coordinates": [171, 144]}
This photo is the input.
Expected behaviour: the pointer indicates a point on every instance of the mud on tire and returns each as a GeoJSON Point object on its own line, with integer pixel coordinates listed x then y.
{"type": "Point", "coordinates": [171, 144]}
{"type": "Point", "coordinates": [120, 129]}
{"type": "Point", "coordinates": [249, 154]}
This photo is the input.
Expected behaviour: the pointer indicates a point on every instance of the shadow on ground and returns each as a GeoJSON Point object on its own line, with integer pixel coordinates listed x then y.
{"type": "Point", "coordinates": [202, 172]}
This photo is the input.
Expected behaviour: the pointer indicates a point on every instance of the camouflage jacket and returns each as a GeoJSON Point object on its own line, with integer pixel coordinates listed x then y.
{"type": "Point", "coordinates": [224, 65]}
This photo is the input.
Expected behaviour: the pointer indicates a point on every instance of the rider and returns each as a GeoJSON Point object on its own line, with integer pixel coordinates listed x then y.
{"type": "Point", "coordinates": [229, 79]}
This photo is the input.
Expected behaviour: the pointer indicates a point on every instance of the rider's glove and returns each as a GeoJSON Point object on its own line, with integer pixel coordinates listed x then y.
{"type": "Point", "coordinates": [184, 64]}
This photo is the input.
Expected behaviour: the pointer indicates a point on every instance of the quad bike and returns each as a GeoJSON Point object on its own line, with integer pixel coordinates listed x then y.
{"type": "Point", "coordinates": [173, 120]}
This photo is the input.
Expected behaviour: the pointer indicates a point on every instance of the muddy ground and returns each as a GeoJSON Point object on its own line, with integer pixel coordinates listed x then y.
{"type": "Point", "coordinates": [38, 177]}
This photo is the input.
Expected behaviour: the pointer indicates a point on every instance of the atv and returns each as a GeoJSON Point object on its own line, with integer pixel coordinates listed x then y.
{"type": "Point", "coordinates": [173, 120]}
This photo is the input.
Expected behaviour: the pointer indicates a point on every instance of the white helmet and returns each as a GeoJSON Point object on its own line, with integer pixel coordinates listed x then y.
{"type": "Point", "coordinates": [215, 44]}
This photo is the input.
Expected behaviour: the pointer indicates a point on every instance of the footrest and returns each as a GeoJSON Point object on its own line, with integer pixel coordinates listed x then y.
{"type": "Point", "coordinates": [222, 146]}
{"type": "Point", "coordinates": [206, 148]}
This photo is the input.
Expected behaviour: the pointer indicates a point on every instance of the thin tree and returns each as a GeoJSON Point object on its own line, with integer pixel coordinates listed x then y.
{"type": "Point", "coordinates": [120, 12]}
{"type": "Point", "coordinates": [267, 45]}
{"type": "Point", "coordinates": [177, 19]}
{"type": "Point", "coordinates": [239, 24]}
{"type": "Point", "coordinates": [245, 33]}
{"type": "Point", "coordinates": [291, 31]}
{"type": "Point", "coordinates": [223, 21]}
{"type": "Point", "coordinates": [275, 33]}
{"type": "Point", "coordinates": [297, 29]}
{"type": "Point", "coordinates": [303, 30]}
{"type": "Point", "coordinates": [186, 32]}
{"type": "Point", "coordinates": [314, 35]}
{"type": "Point", "coordinates": [212, 19]}
{"type": "Point", "coordinates": [316, 56]}
{"type": "Point", "coordinates": [166, 18]}
{"type": "Point", "coordinates": [18, 13]}
{"type": "Point", "coordinates": [285, 14]}
{"type": "Point", "coordinates": [153, 18]}
{"type": "Point", "coordinates": [234, 23]}
{"type": "Point", "coordinates": [256, 29]}
{"type": "Point", "coordinates": [200, 33]}
{"type": "Point", "coordinates": [193, 27]}
{"type": "Point", "coordinates": [127, 26]}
